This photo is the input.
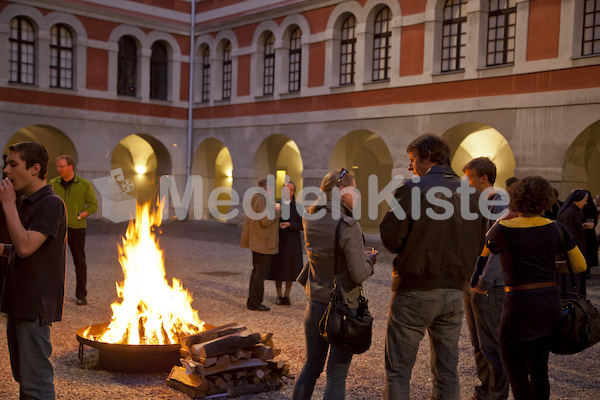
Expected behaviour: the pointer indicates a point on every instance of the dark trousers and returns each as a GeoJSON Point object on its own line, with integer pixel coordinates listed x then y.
{"type": "Point", "coordinates": [261, 264]}
{"type": "Point", "coordinates": [30, 348]}
{"type": "Point", "coordinates": [482, 312]}
{"type": "Point", "coordinates": [76, 240]}
{"type": "Point", "coordinates": [527, 368]}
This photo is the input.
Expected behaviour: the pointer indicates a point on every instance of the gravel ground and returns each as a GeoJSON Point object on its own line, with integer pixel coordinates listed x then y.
{"type": "Point", "coordinates": [206, 257]}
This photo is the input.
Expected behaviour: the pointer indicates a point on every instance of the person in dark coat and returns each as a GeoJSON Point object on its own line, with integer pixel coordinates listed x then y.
{"type": "Point", "coordinates": [287, 264]}
{"type": "Point", "coordinates": [590, 220]}
{"type": "Point", "coordinates": [570, 215]}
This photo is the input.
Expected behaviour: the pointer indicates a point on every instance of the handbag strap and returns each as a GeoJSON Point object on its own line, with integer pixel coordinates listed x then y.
{"type": "Point", "coordinates": [335, 248]}
{"type": "Point", "coordinates": [563, 248]}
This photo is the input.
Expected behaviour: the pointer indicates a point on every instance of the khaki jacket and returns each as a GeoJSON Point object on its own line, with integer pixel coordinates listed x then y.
{"type": "Point", "coordinates": [261, 236]}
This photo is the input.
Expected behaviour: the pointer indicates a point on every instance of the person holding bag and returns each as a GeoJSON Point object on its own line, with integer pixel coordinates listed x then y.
{"type": "Point", "coordinates": [528, 245]}
{"type": "Point", "coordinates": [317, 277]}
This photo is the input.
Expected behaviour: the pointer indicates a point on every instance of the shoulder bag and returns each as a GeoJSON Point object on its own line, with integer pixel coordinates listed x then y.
{"type": "Point", "coordinates": [341, 326]}
{"type": "Point", "coordinates": [579, 326]}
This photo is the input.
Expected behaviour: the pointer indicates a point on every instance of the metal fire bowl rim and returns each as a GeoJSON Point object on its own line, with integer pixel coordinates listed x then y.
{"type": "Point", "coordinates": [99, 328]}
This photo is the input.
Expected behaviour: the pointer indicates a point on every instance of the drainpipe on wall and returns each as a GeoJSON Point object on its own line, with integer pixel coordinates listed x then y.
{"type": "Point", "coordinates": [189, 150]}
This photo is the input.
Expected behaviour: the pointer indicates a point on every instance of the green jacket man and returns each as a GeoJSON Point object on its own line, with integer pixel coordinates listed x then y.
{"type": "Point", "coordinates": [80, 201]}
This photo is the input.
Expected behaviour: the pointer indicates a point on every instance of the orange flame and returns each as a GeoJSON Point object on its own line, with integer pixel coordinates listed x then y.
{"type": "Point", "coordinates": [149, 310]}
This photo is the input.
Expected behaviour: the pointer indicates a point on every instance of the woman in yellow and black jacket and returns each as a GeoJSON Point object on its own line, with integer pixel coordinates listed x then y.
{"type": "Point", "coordinates": [528, 245]}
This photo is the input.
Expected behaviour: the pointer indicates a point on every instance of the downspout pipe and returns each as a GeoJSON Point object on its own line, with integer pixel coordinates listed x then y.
{"type": "Point", "coordinates": [189, 150]}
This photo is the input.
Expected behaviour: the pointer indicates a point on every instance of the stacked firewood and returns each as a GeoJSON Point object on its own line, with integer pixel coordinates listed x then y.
{"type": "Point", "coordinates": [228, 359]}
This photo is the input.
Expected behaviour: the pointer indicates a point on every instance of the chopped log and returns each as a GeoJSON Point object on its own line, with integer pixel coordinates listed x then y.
{"type": "Point", "coordinates": [267, 339]}
{"type": "Point", "coordinates": [276, 352]}
{"type": "Point", "coordinates": [258, 373]}
{"type": "Point", "coordinates": [223, 360]}
{"type": "Point", "coordinates": [276, 365]}
{"type": "Point", "coordinates": [211, 334]}
{"type": "Point", "coordinates": [262, 351]}
{"type": "Point", "coordinates": [190, 391]}
{"type": "Point", "coordinates": [226, 376]}
{"type": "Point", "coordinates": [207, 361]}
{"type": "Point", "coordinates": [192, 385]}
{"type": "Point", "coordinates": [236, 366]}
{"type": "Point", "coordinates": [192, 366]}
{"type": "Point", "coordinates": [226, 344]}
{"type": "Point", "coordinates": [224, 385]}
{"type": "Point", "coordinates": [237, 391]}
{"type": "Point", "coordinates": [243, 355]}
{"type": "Point", "coordinates": [239, 374]}
{"type": "Point", "coordinates": [184, 353]}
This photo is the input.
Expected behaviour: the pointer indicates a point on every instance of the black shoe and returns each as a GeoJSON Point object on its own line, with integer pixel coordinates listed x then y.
{"type": "Point", "coordinates": [260, 307]}
{"type": "Point", "coordinates": [280, 301]}
{"type": "Point", "coordinates": [286, 301]}
{"type": "Point", "coordinates": [82, 301]}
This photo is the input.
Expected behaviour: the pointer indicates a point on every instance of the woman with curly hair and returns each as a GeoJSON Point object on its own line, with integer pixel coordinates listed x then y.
{"type": "Point", "coordinates": [527, 245]}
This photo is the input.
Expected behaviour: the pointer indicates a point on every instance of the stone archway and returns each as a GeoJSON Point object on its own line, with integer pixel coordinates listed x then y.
{"type": "Point", "coordinates": [212, 161]}
{"type": "Point", "coordinates": [279, 155]}
{"type": "Point", "coordinates": [582, 161]}
{"type": "Point", "coordinates": [142, 160]}
{"type": "Point", "coordinates": [474, 139]}
{"type": "Point", "coordinates": [54, 140]}
{"type": "Point", "coordinates": [365, 154]}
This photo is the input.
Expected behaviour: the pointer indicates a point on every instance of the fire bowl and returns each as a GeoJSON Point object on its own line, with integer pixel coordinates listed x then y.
{"type": "Point", "coordinates": [129, 357]}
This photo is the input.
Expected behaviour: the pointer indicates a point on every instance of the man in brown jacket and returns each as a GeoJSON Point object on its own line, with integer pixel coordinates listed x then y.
{"type": "Point", "coordinates": [261, 235]}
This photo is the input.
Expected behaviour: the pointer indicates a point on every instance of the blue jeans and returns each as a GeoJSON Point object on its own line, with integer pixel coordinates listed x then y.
{"type": "Point", "coordinates": [316, 355]}
{"type": "Point", "coordinates": [30, 349]}
{"type": "Point", "coordinates": [437, 311]}
{"type": "Point", "coordinates": [482, 312]}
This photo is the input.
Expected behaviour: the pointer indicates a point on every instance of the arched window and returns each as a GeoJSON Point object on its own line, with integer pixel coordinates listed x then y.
{"type": "Point", "coordinates": [127, 68]}
{"type": "Point", "coordinates": [591, 28]}
{"type": "Point", "coordinates": [348, 51]}
{"type": "Point", "coordinates": [502, 22]}
{"type": "Point", "coordinates": [206, 75]}
{"type": "Point", "coordinates": [454, 35]}
{"type": "Point", "coordinates": [269, 66]}
{"type": "Point", "coordinates": [295, 60]}
{"type": "Point", "coordinates": [159, 69]}
{"type": "Point", "coordinates": [381, 45]}
{"type": "Point", "coordinates": [227, 71]}
{"type": "Point", "coordinates": [22, 51]}
{"type": "Point", "coordinates": [61, 57]}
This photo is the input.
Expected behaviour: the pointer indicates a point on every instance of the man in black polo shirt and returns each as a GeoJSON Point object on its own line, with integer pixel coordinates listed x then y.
{"type": "Point", "coordinates": [35, 279]}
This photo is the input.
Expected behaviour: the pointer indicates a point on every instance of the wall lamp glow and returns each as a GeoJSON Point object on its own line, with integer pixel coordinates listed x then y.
{"type": "Point", "coordinates": [140, 169]}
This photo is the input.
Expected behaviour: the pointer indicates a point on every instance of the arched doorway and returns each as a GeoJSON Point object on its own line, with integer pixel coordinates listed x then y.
{"type": "Point", "coordinates": [54, 140]}
{"type": "Point", "coordinates": [365, 154]}
{"type": "Point", "coordinates": [278, 155]}
{"type": "Point", "coordinates": [582, 162]}
{"type": "Point", "coordinates": [142, 159]}
{"type": "Point", "coordinates": [473, 139]}
{"type": "Point", "coordinates": [213, 163]}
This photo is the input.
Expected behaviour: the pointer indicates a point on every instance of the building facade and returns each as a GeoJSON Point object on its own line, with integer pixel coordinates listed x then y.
{"type": "Point", "coordinates": [298, 88]}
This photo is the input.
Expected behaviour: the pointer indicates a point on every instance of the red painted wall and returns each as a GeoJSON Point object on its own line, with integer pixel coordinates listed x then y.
{"type": "Point", "coordinates": [97, 69]}
{"type": "Point", "coordinates": [244, 35]}
{"type": "Point", "coordinates": [410, 7]}
{"type": "Point", "coordinates": [316, 67]}
{"type": "Point", "coordinates": [243, 83]}
{"type": "Point", "coordinates": [543, 29]}
{"type": "Point", "coordinates": [412, 50]}
{"type": "Point", "coordinates": [317, 19]}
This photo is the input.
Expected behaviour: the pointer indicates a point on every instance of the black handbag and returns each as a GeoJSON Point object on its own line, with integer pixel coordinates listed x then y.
{"type": "Point", "coordinates": [340, 326]}
{"type": "Point", "coordinates": [579, 326]}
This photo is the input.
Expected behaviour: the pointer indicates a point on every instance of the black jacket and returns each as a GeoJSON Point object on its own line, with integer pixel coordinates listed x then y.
{"type": "Point", "coordinates": [434, 250]}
